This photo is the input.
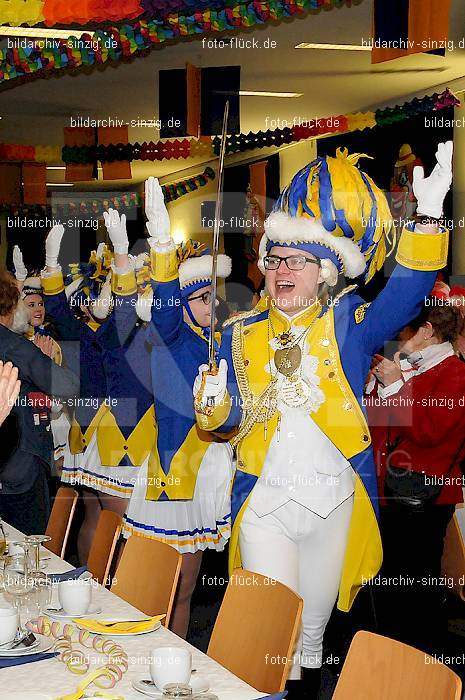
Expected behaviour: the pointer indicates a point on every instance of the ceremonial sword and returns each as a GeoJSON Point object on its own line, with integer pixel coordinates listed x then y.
{"type": "Point", "coordinates": [210, 402]}
{"type": "Point", "coordinates": [216, 240]}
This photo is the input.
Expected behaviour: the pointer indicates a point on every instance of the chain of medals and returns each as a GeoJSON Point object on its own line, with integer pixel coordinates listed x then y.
{"type": "Point", "coordinates": [287, 360]}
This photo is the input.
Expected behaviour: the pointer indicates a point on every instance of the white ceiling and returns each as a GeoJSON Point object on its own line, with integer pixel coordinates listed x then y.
{"type": "Point", "coordinates": [332, 82]}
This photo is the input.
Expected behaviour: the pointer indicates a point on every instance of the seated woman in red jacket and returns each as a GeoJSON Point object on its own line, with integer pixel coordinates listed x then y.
{"type": "Point", "coordinates": [416, 411]}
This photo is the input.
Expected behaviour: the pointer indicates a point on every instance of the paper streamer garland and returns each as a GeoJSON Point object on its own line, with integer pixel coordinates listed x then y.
{"type": "Point", "coordinates": [27, 59]}
{"type": "Point", "coordinates": [121, 202]}
{"type": "Point", "coordinates": [63, 12]}
{"type": "Point", "coordinates": [76, 660]}
{"type": "Point", "coordinates": [237, 143]}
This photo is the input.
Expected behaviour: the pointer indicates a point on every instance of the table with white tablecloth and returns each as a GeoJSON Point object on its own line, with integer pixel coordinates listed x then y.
{"type": "Point", "coordinates": [52, 678]}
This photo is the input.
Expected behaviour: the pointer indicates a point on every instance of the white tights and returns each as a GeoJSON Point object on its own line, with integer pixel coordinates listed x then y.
{"type": "Point", "coordinates": [306, 553]}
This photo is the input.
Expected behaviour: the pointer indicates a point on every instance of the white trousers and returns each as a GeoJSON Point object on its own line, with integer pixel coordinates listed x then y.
{"type": "Point", "coordinates": [305, 552]}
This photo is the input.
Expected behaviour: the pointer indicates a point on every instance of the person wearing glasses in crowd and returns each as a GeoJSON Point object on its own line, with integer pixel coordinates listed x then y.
{"type": "Point", "coordinates": [291, 380]}
{"type": "Point", "coordinates": [182, 494]}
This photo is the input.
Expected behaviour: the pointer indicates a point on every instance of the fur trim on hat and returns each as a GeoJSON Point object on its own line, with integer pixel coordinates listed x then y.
{"type": "Point", "coordinates": [197, 269]}
{"type": "Point", "coordinates": [31, 285]}
{"type": "Point", "coordinates": [283, 229]}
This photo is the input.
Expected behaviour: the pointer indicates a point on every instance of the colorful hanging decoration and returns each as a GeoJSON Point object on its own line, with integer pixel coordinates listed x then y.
{"type": "Point", "coordinates": [122, 202]}
{"type": "Point", "coordinates": [63, 12]}
{"type": "Point", "coordinates": [38, 57]}
{"type": "Point", "coordinates": [238, 143]}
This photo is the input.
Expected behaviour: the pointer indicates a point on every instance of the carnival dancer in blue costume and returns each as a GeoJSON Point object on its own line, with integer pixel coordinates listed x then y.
{"type": "Point", "coordinates": [74, 315]}
{"type": "Point", "coordinates": [182, 497]}
{"type": "Point", "coordinates": [125, 434]}
{"type": "Point", "coordinates": [304, 500]}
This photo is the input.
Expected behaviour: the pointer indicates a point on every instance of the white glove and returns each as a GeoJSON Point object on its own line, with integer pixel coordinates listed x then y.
{"type": "Point", "coordinates": [144, 305]}
{"type": "Point", "coordinates": [214, 388]}
{"type": "Point", "coordinates": [100, 251]}
{"type": "Point", "coordinates": [116, 227]}
{"type": "Point", "coordinates": [430, 191]}
{"type": "Point", "coordinates": [158, 224]}
{"type": "Point", "coordinates": [52, 246]}
{"type": "Point", "coordinates": [18, 262]}
{"type": "Point", "coordinates": [102, 305]}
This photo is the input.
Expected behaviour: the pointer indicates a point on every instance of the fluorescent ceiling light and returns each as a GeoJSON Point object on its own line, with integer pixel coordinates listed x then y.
{"type": "Point", "coordinates": [259, 93]}
{"type": "Point", "coordinates": [334, 47]}
{"type": "Point", "coordinates": [63, 167]}
{"type": "Point", "coordinates": [37, 33]}
{"type": "Point", "coordinates": [60, 184]}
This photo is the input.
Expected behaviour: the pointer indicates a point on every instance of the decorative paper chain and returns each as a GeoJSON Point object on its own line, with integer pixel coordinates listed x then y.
{"type": "Point", "coordinates": [76, 660]}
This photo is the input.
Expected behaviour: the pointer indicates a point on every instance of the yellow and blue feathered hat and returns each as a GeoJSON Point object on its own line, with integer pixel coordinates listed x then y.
{"type": "Point", "coordinates": [334, 211]}
{"type": "Point", "coordinates": [196, 266]}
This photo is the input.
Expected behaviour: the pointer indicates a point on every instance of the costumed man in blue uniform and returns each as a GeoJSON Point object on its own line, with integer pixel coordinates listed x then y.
{"type": "Point", "coordinates": [291, 379]}
{"type": "Point", "coordinates": [182, 496]}
{"type": "Point", "coordinates": [79, 321]}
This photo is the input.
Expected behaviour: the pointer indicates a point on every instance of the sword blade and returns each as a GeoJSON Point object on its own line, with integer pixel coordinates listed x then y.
{"type": "Point", "coordinates": [216, 238]}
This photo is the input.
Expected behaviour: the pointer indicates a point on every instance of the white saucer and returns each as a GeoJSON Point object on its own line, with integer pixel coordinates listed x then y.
{"type": "Point", "coordinates": [198, 683]}
{"type": "Point", "coordinates": [43, 645]}
{"type": "Point", "coordinates": [115, 633]}
{"type": "Point", "coordinates": [61, 615]}
{"type": "Point", "coordinates": [6, 652]}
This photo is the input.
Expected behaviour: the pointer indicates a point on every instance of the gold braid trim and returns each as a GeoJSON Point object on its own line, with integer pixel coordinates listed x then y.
{"type": "Point", "coordinates": [255, 409]}
{"type": "Point", "coordinates": [242, 316]}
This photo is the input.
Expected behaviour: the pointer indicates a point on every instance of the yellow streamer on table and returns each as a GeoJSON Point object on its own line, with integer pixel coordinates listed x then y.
{"type": "Point", "coordinates": [16, 12]}
{"type": "Point", "coordinates": [77, 660]}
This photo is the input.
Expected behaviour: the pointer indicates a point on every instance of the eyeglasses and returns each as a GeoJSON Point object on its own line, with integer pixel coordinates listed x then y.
{"type": "Point", "coordinates": [293, 262]}
{"type": "Point", "coordinates": [206, 298]}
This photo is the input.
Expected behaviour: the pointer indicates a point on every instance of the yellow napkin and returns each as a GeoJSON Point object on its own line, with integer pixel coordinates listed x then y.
{"type": "Point", "coordinates": [108, 627]}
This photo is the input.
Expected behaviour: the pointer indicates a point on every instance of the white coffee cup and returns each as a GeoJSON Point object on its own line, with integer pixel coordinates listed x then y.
{"type": "Point", "coordinates": [170, 665]}
{"type": "Point", "coordinates": [8, 624]}
{"type": "Point", "coordinates": [75, 596]}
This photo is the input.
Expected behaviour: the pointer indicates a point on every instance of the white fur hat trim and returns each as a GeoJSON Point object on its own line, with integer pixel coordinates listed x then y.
{"type": "Point", "coordinates": [199, 268]}
{"type": "Point", "coordinates": [285, 229]}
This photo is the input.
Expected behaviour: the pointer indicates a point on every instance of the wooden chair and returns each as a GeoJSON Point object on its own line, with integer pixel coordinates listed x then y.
{"type": "Point", "coordinates": [380, 668]}
{"type": "Point", "coordinates": [59, 522]}
{"type": "Point", "coordinates": [453, 558]}
{"type": "Point", "coordinates": [255, 632]}
{"type": "Point", "coordinates": [103, 545]}
{"type": "Point", "coordinates": [147, 576]}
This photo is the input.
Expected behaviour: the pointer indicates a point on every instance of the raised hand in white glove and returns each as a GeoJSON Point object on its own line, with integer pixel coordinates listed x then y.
{"type": "Point", "coordinates": [116, 227]}
{"type": "Point", "coordinates": [430, 191]}
{"type": "Point", "coordinates": [100, 251]}
{"type": "Point", "coordinates": [158, 224]}
{"type": "Point", "coordinates": [18, 262]}
{"type": "Point", "coordinates": [52, 246]}
{"type": "Point", "coordinates": [144, 305]}
{"type": "Point", "coordinates": [209, 389]}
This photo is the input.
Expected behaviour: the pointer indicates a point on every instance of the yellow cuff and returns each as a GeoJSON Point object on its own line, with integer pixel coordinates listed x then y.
{"type": "Point", "coordinates": [124, 285]}
{"type": "Point", "coordinates": [164, 265]}
{"type": "Point", "coordinates": [423, 251]}
{"type": "Point", "coordinates": [53, 284]}
{"type": "Point", "coordinates": [218, 416]}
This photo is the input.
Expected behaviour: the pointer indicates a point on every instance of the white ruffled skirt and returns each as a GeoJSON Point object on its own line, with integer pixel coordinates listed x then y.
{"type": "Point", "coordinates": [86, 469]}
{"type": "Point", "coordinates": [189, 526]}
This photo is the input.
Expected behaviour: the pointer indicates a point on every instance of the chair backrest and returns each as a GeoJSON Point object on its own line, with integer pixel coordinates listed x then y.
{"type": "Point", "coordinates": [147, 576]}
{"type": "Point", "coordinates": [61, 517]}
{"type": "Point", "coordinates": [255, 631]}
{"type": "Point", "coordinates": [103, 545]}
{"type": "Point", "coordinates": [453, 558]}
{"type": "Point", "coordinates": [380, 668]}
